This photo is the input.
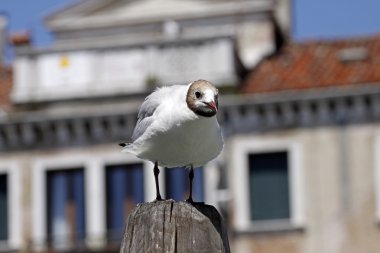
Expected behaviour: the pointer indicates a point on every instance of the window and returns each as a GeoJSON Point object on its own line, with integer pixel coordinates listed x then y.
{"type": "Point", "coordinates": [77, 182]}
{"type": "Point", "coordinates": [269, 186]}
{"type": "Point", "coordinates": [177, 184]}
{"type": "Point", "coordinates": [10, 206]}
{"type": "Point", "coordinates": [124, 190]}
{"type": "Point", "coordinates": [65, 208]}
{"type": "Point", "coordinates": [3, 207]}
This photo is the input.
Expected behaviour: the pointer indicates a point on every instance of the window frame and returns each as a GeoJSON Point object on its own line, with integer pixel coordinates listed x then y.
{"type": "Point", "coordinates": [376, 156]}
{"type": "Point", "coordinates": [14, 185]}
{"type": "Point", "coordinates": [94, 168]}
{"type": "Point", "coordinates": [239, 181]}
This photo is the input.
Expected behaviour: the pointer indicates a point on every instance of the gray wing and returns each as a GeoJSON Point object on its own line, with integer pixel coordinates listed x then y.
{"type": "Point", "coordinates": [144, 117]}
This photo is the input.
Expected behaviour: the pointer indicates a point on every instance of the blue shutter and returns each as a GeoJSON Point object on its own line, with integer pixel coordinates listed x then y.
{"type": "Point", "coordinates": [64, 187]}
{"type": "Point", "coordinates": [177, 184]}
{"type": "Point", "coordinates": [79, 200]}
{"type": "Point", "coordinates": [198, 187]}
{"type": "Point", "coordinates": [124, 190]}
{"type": "Point", "coordinates": [138, 184]}
{"type": "Point", "coordinates": [269, 186]}
{"type": "Point", "coordinates": [57, 197]}
{"type": "Point", "coordinates": [115, 197]}
{"type": "Point", "coordinates": [3, 208]}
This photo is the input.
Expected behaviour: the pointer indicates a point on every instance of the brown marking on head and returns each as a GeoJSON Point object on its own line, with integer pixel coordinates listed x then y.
{"type": "Point", "coordinates": [198, 96]}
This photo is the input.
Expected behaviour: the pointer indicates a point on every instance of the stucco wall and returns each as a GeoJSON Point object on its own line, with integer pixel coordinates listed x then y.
{"type": "Point", "coordinates": [338, 179]}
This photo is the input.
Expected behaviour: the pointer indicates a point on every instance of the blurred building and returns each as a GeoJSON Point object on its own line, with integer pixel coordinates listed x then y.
{"type": "Point", "coordinates": [303, 150]}
{"type": "Point", "coordinates": [65, 186]}
{"type": "Point", "coordinates": [300, 170]}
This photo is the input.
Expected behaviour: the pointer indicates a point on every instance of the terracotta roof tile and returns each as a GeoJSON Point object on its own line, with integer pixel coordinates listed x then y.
{"type": "Point", "coordinates": [318, 64]}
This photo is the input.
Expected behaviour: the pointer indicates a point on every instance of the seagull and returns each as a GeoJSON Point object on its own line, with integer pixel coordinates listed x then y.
{"type": "Point", "coordinates": [177, 127]}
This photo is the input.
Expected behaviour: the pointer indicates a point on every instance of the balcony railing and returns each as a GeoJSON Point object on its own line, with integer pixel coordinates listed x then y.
{"type": "Point", "coordinates": [236, 115]}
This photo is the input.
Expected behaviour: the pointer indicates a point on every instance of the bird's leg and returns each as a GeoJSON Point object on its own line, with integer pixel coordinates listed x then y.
{"type": "Point", "coordinates": [191, 177]}
{"type": "Point", "coordinates": [156, 172]}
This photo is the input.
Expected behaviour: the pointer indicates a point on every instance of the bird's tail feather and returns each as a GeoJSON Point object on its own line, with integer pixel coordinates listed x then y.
{"type": "Point", "coordinates": [127, 147]}
{"type": "Point", "coordinates": [124, 144]}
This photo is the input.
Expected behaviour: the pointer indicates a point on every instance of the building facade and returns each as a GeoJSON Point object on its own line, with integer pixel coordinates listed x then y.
{"type": "Point", "coordinates": [300, 167]}
{"type": "Point", "coordinates": [303, 157]}
{"type": "Point", "coordinates": [300, 171]}
{"type": "Point", "coordinates": [65, 186]}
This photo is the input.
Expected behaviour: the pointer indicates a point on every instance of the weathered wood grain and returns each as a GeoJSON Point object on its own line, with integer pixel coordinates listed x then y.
{"type": "Point", "coordinates": [169, 226]}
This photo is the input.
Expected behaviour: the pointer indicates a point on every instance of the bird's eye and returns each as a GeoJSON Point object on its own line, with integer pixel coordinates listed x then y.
{"type": "Point", "coordinates": [197, 94]}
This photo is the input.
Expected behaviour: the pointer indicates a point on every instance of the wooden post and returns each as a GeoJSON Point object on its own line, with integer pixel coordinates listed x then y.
{"type": "Point", "coordinates": [169, 226]}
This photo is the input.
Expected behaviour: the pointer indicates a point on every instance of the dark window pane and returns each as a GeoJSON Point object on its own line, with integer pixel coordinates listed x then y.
{"type": "Point", "coordinates": [65, 208]}
{"type": "Point", "coordinates": [3, 208]}
{"type": "Point", "coordinates": [78, 200]}
{"type": "Point", "coordinates": [124, 190]}
{"type": "Point", "coordinates": [269, 186]}
{"type": "Point", "coordinates": [177, 184]}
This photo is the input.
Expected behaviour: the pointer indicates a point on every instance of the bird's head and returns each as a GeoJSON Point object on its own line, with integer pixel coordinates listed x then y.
{"type": "Point", "coordinates": [202, 98]}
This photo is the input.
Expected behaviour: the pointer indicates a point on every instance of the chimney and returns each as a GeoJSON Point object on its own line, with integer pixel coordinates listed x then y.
{"type": "Point", "coordinates": [20, 39]}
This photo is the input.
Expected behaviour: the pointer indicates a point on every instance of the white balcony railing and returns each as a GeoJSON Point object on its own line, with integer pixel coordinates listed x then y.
{"type": "Point", "coordinates": [49, 76]}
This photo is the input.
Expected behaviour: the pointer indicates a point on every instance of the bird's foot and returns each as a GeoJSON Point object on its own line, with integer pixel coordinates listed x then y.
{"type": "Point", "coordinates": [190, 200]}
{"type": "Point", "coordinates": [158, 198]}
